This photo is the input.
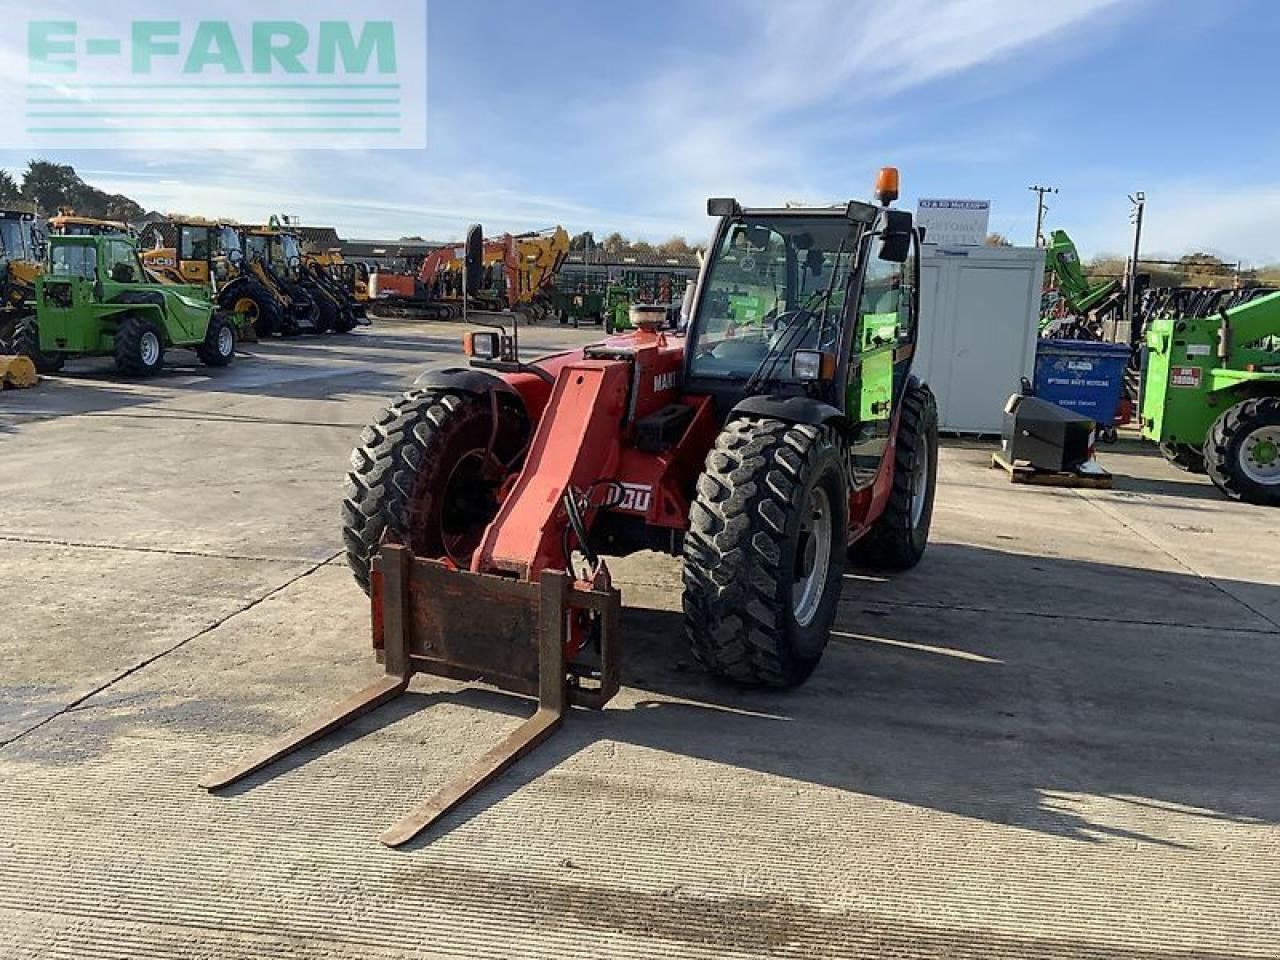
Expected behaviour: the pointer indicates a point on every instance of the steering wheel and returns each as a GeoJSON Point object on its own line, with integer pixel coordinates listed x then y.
{"type": "Point", "coordinates": [790, 318]}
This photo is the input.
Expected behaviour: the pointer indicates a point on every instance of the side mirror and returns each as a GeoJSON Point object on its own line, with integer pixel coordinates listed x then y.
{"type": "Point", "coordinates": [722, 207]}
{"type": "Point", "coordinates": [895, 237]}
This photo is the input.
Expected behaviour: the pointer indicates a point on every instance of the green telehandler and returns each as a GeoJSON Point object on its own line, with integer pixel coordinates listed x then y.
{"type": "Point", "coordinates": [1080, 303]}
{"type": "Point", "coordinates": [95, 299]}
{"type": "Point", "coordinates": [1211, 396]}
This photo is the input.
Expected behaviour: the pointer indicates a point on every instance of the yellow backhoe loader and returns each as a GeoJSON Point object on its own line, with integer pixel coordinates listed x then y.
{"type": "Point", "coordinates": [19, 266]}
{"type": "Point", "coordinates": [194, 250]}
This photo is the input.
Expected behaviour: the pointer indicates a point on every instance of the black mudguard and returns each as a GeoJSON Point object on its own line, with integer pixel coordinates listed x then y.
{"type": "Point", "coordinates": [467, 380]}
{"type": "Point", "coordinates": [789, 410]}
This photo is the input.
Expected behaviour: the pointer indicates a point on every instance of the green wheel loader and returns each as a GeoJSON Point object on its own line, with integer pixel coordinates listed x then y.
{"type": "Point", "coordinates": [1211, 396]}
{"type": "Point", "coordinates": [94, 299]}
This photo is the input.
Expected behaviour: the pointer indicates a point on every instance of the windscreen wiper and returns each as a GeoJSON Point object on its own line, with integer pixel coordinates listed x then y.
{"type": "Point", "coordinates": [774, 352]}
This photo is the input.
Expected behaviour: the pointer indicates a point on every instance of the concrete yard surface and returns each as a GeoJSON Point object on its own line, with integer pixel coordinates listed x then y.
{"type": "Point", "coordinates": [1058, 737]}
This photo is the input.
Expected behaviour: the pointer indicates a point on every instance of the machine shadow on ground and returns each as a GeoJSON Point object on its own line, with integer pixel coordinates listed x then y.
{"type": "Point", "coordinates": [1191, 487]}
{"type": "Point", "coordinates": [49, 401]}
{"type": "Point", "coordinates": [991, 711]}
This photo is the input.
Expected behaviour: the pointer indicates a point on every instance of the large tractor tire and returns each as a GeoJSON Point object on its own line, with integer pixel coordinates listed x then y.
{"type": "Point", "coordinates": [26, 342]}
{"type": "Point", "coordinates": [257, 303]}
{"type": "Point", "coordinates": [347, 321]}
{"type": "Point", "coordinates": [327, 312]}
{"type": "Point", "coordinates": [219, 346]}
{"type": "Point", "coordinates": [764, 553]}
{"type": "Point", "coordinates": [139, 347]}
{"type": "Point", "coordinates": [1242, 452]}
{"type": "Point", "coordinates": [897, 539]}
{"type": "Point", "coordinates": [1183, 456]}
{"type": "Point", "coordinates": [417, 477]}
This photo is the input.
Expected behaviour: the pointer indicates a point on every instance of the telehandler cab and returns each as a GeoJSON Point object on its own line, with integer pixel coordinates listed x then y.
{"type": "Point", "coordinates": [1211, 395]}
{"type": "Point", "coordinates": [780, 430]}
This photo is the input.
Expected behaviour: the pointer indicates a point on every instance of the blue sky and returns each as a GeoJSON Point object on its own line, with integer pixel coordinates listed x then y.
{"type": "Point", "coordinates": [628, 115]}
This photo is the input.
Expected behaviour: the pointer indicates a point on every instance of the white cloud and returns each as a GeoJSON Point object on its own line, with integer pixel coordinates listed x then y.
{"type": "Point", "coordinates": [744, 121]}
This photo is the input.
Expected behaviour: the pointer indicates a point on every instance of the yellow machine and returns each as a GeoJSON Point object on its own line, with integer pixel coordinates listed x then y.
{"type": "Point", "coordinates": [199, 253]}
{"type": "Point", "coordinates": [17, 371]}
{"type": "Point", "coordinates": [283, 290]}
{"type": "Point", "coordinates": [202, 253]}
{"type": "Point", "coordinates": [353, 277]}
{"type": "Point", "coordinates": [19, 267]}
{"type": "Point", "coordinates": [540, 256]}
{"type": "Point", "coordinates": [69, 224]}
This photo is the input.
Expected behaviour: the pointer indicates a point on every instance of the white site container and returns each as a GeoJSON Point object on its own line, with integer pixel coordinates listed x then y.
{"type": "Point", "coordinates": [979, 319]}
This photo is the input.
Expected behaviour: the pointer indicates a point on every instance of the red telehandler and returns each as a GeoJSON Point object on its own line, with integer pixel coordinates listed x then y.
{"type": "Point", "coordinates": [781, 430]}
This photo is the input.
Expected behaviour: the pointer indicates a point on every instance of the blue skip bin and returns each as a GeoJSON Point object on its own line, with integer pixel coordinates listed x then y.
{"type": "Point", "coordinates": [1082, 375]}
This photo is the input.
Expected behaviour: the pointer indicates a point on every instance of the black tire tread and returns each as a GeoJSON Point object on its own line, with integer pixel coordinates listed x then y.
{"type": "Point", "coordinates": [128, 347]}
{"type": "Point", "coordinates": [25, 342]}
{"type": "Point", "coordinates": [1219, 454]}
{"type": "Point", "coordinates": [1183, 456]}
{"type": "Point", "coordinates": [888, 545]}
{"type": "Point", "coordinates": [737, 523]}
{"type": "Point", "coordinates": [382, 489]}
{"type": "Point", "coordinates": [270, 316]}
{"type": "Point", "coordinates": [207, 351]}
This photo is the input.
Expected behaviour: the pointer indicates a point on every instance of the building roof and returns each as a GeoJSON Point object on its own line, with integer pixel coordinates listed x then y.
{"type": "Point", "coordinates": [685, 261]}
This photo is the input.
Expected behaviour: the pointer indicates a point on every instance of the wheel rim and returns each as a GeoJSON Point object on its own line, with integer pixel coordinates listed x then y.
{"type": "Point", "coordinates": [813, 557]}
{"type": "Point", "coordinates": [248, 307]}
{"type": "Point", "coordinates": [149, 348]}
{"type": "Point", "coordinates": [920, 485]}
{"type": "Point", "coordinates": [1260, 455]}
{"type": "Point", "coordinates": [226, 341]}
{"type": "Point", "coordinates": [467, 507]}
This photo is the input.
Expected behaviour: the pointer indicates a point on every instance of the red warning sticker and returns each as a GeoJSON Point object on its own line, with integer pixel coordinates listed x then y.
{"type": "Point", "coordinates": [1184, 376]}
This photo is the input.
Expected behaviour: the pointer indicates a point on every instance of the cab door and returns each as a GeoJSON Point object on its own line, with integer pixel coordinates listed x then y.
{"type": "Point", "coordinates": [878, 328]}
{"type": "Point", "coordinates": [194, 246]}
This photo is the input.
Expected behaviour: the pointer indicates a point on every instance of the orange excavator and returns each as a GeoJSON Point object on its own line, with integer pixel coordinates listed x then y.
{"type": "Point", "coordinates": [517, 272]}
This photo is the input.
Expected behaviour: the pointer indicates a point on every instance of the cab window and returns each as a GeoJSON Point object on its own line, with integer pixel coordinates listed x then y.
{"type": "Point", "coordinates": [195, 243]}
{"type": "Point", "coordinates": [120, 262]}
{"type": "Point", "coordinates": [73, 260]}
{"type": "Point", "coordinates": [880, 311]}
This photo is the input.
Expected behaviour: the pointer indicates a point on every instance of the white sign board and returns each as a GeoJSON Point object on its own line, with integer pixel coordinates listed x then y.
{"type": "Point", "coordinates": [954, 223]}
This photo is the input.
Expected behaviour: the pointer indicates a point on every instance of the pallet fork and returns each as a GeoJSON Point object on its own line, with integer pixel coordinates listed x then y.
{"type": "Point", "coordinates": [466, 626]}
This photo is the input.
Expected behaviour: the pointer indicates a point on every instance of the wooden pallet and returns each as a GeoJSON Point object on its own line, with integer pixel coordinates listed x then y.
{"type": "Point", "coordinates": [1020, 471]}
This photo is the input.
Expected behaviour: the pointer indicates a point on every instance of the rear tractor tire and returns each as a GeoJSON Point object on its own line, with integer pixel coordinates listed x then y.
{"type": "Point", "coordinates": [139, 348]}
{"type": "Point", "coordinates": [1242, 452]}
{"type": "Point", "coordinates": [1183, 456]}
{"type": "Point", "coordinates": [261, 308]}
{"type": "Point", "coordinates": [219, 346]}
{"type": "Point", "coordinates": [26, 342]}
{"type": "Point", "coordinates": [763, 557]}
{"type": "Point", "coordinates": [417, 477]}
{"type": "Point", "coordinates": [897, 539]}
